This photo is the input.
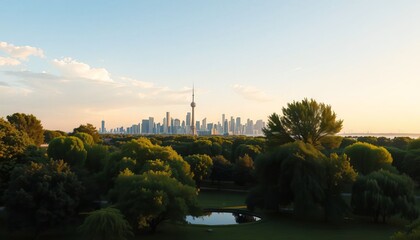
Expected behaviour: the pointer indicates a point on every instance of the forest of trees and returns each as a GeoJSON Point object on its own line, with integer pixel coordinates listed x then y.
{"type": "Point", "coordinates": [298, 164]}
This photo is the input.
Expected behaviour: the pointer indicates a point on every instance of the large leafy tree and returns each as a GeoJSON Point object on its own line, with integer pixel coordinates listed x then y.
{"type": "Point", "coordinates": [106, 224]}
{"type": "Point", "coordinates": [366, 158]}
{"type": "Point", "coordinates": [29, 124]}
{"type": "Point", "coordinates": [382, 194]}
{"type": "Point", "coordinates": [137, 152]}
{"type": "Point", "coordinates": [307, 120]}
{"type": "Point", "coordinates": [13, 144]}
{"type": "Point", "coordinates": [42, 195]}
{"type": "Point", "coordinates": [299, 174]}
{"type": "Point", "coordinates": [89, 129]}
{"type": "Point", "coordinates": [70, 149]}
{"type": "Point", "coordinates": [200, 166]}
{"type": "Point", "coordinates": [152, 197]}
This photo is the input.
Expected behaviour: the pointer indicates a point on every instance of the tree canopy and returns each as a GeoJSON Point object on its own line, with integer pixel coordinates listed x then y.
{"type": "Point", "coordinates": [89, 129]}
{"type": "Point", "coordinates": [200, 166]}
{"type": "Point", "coordinates": [29, 124]}
{"type": "Point", "coordinates": [307, 120]}
{"type": "Point", "coordinates": [152, 197]}
{"type": "Point", "coordinates": [382, 194]}
{"type": "Point", "coordinates": [42, 195]}
{"type": "Point", "coordinates": [70, 149]}
{"type": "Point", "coordinates": [366, 158]}
{"type": "Point", "coordinates": [298, 173]}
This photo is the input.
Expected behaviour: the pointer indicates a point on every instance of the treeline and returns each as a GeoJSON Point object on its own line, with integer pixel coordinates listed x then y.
{"type": "Point", "coordinates": [298, 165]}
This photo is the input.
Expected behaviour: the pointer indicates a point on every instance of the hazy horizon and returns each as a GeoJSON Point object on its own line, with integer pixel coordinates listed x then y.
{"type": "Point", "coordinates": [78, 62]}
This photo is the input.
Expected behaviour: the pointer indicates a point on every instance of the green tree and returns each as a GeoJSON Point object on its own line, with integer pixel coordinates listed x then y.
{"type": "Point", "coordinates": [86, 138]}
{"type": "Point", "coordinates": [307, 121]}
{"type": "Point", "coordinates": [221, 170]}
{"type": "Point", "coordinates": [50, 135]}
{"type": "Point", "coordinates": [89, 129]}
{"type": "Point", "coordinates": [106, 224]}
{"type": "Point", "coordinates": [412, 232]}
{"type": "Point", "coordinates": [97, 156]}
{"type": "Point", "coordinates": [411, 164]}
{"type": "Point", "coordinates": [201, 167]}
{"type": "Point", "coordinates": [366, 158]}
{"type": "Point", "coordinates": [42, 195]}
{"type": "Point", "coordinates": [382, 194]}
{"type": "Point", "coordinates": [70, 149]}
{"type": "Point", "coordinates": [299, 174]}
{"type": "Point", "coordinates": [242, 170]}
{"type": "Point", "coordinates": [13, 144]}
{"type": "Point", "coordinates": [338, 174]}
{"type": "Point", "coordinates": [148, 199]}
{"type": "Point", "coordinates": [29, 124]}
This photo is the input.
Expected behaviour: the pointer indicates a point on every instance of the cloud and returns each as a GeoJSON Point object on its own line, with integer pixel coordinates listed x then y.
{"type": "Point", "coordinates": [20, 52]}
{"type": "Point", "coordinates": [251, 93]}
{"type": "Point", "coordinates": [7, 61]}
{"type": "Point", "coordinates": [71, 68]}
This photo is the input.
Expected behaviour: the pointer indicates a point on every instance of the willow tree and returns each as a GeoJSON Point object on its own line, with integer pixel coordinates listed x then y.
{"type": "Point", "coordinates": [307, 121]}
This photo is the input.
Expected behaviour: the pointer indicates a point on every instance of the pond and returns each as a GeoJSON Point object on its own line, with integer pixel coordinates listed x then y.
{"type": "Point", "coordinates": [222, 218]}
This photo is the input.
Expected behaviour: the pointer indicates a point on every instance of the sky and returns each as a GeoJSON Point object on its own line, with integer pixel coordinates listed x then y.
{"type": "Point", "coordinates": [77, 62]}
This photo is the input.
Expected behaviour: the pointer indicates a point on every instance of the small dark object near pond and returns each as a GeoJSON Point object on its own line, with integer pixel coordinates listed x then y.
{"type": "Point", "coordinates": [222, 218]}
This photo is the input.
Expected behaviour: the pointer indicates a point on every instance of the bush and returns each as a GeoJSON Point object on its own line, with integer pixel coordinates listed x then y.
{"type": "Point", "coordinates": [106, 224]}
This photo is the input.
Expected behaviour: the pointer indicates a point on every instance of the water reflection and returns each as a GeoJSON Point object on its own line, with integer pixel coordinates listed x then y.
{"type": "Point", "coordinates": [222, 218]}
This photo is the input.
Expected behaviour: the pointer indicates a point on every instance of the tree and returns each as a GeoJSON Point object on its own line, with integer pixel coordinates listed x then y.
{"type": "Point", "coordinates": [382, 194]}
{"type": "Point", "coordinates": [87, 139]}
{"type": "Point", "coordinates": [152, 197]}
{"type": "Point", "coordinates": [299, 174]}
{"type": "Point", "coordinates": [42, 195]}
{"type": "Point", "coordinates": [106, 224]}
{"type": "Point", "coordinates": [307, 121]}
{"type": "Point", "coordinates": [50, 135]}
{"type": "Point", "coordinates": [411, 164]}
{"type": "Point", "coordinates": [89, 129]}
{"type": "Point", "coordinates": [242, 170]}
{"type": "Point", "coordinates": [13, 144]}
{"type": "Point", "coordinates": [70, 149]}
{"type": "Point", "coordinates": [412, 232]}
{"type": "Point", "coordinates": [28, 124]}
{"type": "Point", "coordinates": [221, 170]}
{"type": "Point", "coordinates": [200, 165]}
{"type": "Point", "coordinates": [366, 158]}
{"type": "Point", "coordinates": [141, 150]}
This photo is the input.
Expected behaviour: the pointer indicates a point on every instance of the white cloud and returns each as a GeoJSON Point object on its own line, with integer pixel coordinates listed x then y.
{"type": "Point", "coordinates": [7, 61]}
{"type": "Point", "coordinates": [20, 52]}
{"type": "Point", "coordinates": [251, 93]}
{"type": "Point", "coordinates": [71, 68]}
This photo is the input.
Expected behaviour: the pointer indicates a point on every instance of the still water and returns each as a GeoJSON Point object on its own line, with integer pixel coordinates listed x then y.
{"type": "Point", "coordinates": [222, 218]}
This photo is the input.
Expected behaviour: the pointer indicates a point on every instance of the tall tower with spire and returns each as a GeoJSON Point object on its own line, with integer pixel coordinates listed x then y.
{"type": "Point", "coordinates": [193, 130]}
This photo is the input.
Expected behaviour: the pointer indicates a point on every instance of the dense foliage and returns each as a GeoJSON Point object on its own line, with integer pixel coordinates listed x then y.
{"type": "Point", "coordinates": [298, 173]}
{"type": "Point", "coordinates": [42, 195]}
{"type": "Point", "coordinates": [70, 149]}
{"type": "Point", "coordinates": [200, 166]}
{"type": "Point", "coordinates": [382, 194]}
{"type": "Point", "coordinates": [106, 224]}
{"type": "Point", "coordinates": [29, 124]}
{"type": "Point", "coordinates": [152, 197]}
{"type": "Point", "coordinates": [366, 158]}
{"type": "Point", "coordinates": [307, 121]}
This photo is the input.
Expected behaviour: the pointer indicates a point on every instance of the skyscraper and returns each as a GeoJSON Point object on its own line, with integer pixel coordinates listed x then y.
{"type": "Point", "coordinates": [103, 130]}
{"type": "Point", "coordinates": [168, 123]}
{"type": "Point", "coordinates": [193, 130]}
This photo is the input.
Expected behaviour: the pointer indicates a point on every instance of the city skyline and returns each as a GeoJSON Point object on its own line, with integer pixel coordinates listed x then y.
{"type": "Point", "coordinates": [170, 125]}
{"type": "Point", "coordinates": [78, 62]}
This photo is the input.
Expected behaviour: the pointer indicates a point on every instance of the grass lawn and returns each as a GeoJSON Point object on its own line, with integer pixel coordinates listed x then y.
{"type": "Point", "coordinates": [271, 227]}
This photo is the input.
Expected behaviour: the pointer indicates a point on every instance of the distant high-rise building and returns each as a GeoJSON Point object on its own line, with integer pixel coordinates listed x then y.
{"type": "Point", "coordinates": [193, 129]}
{"type": "Point", "coordinates": [238, 126]}
{"type": "Point", "coordinates": [151, 125]}
{"type": "Point", "coordinates": [168, 123]}
{"type": "Point", "coordinates": [232, 125]}
{"type": "Point", "coordinates": [103, 129]}
{"type": "Point", "coordinates": [204, 124]}
{"type": "Point", "coordinates": [188, 119]}
{"type": "Point", "coordinates": [145, 124]}
{"type": "Point", "coordinates": [223, 124]}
